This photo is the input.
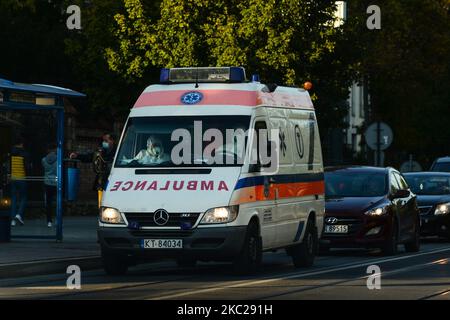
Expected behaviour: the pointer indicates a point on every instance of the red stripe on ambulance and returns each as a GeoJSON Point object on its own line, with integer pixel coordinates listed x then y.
{"type": "Point", "coordinates": [210, 97]}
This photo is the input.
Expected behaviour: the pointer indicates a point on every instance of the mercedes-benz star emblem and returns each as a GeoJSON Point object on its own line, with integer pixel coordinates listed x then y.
{"type": "Point", "coordinates": [161, 217]}
{"type": "Point", "coordinates": [331, 220]}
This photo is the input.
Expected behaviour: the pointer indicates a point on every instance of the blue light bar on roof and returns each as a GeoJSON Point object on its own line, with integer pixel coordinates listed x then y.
{"type": "Point", "coordinates": [203, 74]}
{"type": "Point", "coordinates": [164, 75]}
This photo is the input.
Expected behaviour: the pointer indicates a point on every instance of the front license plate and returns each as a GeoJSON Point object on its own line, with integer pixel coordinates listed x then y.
{"type": "Point", "coordinates": [162, 244]}
{"type": "Point", "coordinates": [336, 229]}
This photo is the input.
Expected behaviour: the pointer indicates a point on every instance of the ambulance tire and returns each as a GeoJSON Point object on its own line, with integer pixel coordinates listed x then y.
{"type": "Point", "coordinates": [114, 265]}
{"type": "Point", "coordinates": [249, 259]}
{"type": "Point", "coordinates": [303, 255]}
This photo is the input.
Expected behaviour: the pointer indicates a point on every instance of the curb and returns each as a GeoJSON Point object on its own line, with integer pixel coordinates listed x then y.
{"type": "Point", "coordinates": [48, 266]}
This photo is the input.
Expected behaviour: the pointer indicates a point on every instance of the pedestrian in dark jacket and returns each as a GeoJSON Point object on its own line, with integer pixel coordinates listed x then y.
{"type": "Point", "coordinates": [102, 160]}
{"type": "Point", "coordinates": [19, 166]}
{"type": "Point", "coordinates": [49, 163]}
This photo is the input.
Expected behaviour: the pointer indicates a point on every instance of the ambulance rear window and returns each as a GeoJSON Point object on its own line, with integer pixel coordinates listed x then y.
{"type": "Point", "coordinates": [187, 141]}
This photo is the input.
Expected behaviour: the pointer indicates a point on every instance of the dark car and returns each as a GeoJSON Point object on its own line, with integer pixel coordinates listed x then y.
{"type": "Point", "coordinates": [441, 165]}
{"type": "Point", "coordinates": [369, 207]}
{"type": "Point", "coordinates": [433, 197]}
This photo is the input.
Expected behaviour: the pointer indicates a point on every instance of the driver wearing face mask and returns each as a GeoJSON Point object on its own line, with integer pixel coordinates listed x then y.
{"type": "Point", "coordinates": [154, 153]}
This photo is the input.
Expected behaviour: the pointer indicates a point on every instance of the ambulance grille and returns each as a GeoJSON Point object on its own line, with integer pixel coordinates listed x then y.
{"type": "Point", "coordinates": [176, 219]}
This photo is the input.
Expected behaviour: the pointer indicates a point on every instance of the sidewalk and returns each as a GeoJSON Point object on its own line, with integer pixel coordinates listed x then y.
{"type": "Point", "coordinates": [23, 257]}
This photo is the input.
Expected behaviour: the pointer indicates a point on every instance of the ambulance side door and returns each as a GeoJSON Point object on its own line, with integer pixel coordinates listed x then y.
{"type": "Point", "coordinates": [265, 206]}
{"type": "Point", "coordinates": [308, 168]}
{"type": "Point", "coordinates": [283, 180]}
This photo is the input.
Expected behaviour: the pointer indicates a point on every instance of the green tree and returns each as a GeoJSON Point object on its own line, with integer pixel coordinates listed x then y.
{"type": "Point", "coordinates": [408, 66]}
{"type": "Point", "coordinates": [285, 41]}
{"type": "Point", "coordinates": [107, 92]}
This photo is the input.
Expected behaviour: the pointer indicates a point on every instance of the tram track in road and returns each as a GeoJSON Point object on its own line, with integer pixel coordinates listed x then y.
{"type": "Point", "coordinates": [154, 272]}
{"type": "Point", "coordinates": [190, 283]}
{"type": "Point", "coordinates": [38, 282]}
{"type": "Point", "coordinates": [357, 278]}
{"type": "Point", "coordinates": [92, 278]}
{"type": "Point", "coordinates": [441, 293]}
{"type": "Point", "coordinates": [295, 275]}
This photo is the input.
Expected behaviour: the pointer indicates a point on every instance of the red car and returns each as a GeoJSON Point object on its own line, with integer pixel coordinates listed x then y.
{"type": "Point", "coordinates": [369, 207]}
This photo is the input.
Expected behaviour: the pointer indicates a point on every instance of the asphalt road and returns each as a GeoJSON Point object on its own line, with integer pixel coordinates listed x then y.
{"type": "Point", "coordinates": [340, 275]}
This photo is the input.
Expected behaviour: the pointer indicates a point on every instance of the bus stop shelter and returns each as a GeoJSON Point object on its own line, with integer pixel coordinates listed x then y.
{"type": "Point", "coordinates": [19, 97]}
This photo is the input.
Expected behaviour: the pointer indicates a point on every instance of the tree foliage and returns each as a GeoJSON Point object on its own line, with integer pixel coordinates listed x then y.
{"type": "Point", "coordinates": [285, 41]}
{"type": "Point", "coordinates": [407, 63]}
{"type": "Point", "coordinates": [124, 43]}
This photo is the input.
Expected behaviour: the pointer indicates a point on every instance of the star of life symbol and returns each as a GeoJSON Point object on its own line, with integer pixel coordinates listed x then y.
{"type": "Point", "coordinates": [192, 97]}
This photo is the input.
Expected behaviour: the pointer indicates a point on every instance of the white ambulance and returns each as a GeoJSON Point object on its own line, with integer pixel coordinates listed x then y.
{"type": "Point", "coordinates": [189, 181]}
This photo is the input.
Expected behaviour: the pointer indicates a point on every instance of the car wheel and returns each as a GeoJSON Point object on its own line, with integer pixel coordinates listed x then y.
{"type": "Point", "coordinates": [186, 263]}
{"type": "Point", "coordinates": [414, 244]}
{"type": "Point", "coordinates": [303, 254]}
{"type": "Point", "coordinates": [390, 246]}
{"type": "Point", "coordinates": [250, 257]}
{"type": "Point", "coordinates": [114, 265]}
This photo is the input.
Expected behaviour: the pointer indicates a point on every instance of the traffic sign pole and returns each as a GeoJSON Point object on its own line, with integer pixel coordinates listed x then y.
{"type": "Point", "coordinates": [378, 143]}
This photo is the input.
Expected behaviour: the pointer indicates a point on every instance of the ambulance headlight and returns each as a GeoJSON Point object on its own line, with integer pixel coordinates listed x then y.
{"type": "Point", "coordinates": [220, 215]}
{"type": "Point", "coordinates": [110, 215]}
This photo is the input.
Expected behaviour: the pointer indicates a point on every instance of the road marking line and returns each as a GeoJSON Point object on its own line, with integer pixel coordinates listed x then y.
{"type": "Point", "coordinates": [43, 288]}
{"type": "Point", "coordinates": [340, 282]}
{"type": "Point", "coordinates": [288, 276]}
{"type": "Point", "coordinates": [46, 261]}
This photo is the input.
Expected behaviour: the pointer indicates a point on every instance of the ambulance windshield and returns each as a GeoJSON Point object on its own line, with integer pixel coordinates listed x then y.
{"type": "Point", "coordinates": [184, 141]}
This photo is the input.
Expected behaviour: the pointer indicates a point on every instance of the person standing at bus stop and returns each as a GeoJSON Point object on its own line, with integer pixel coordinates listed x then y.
{"type": "Point", "coordinates": [49, 162]}
{"type": "Point", "coordinates": [102, 160]}
{"type": "Point", "coordinates": [19, 166]}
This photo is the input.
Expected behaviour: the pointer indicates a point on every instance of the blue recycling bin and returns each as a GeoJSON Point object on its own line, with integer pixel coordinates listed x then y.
{"type": "Point", "coordinates": [5, 225]}
{"type": "Point", "coordinates": [71, 179]}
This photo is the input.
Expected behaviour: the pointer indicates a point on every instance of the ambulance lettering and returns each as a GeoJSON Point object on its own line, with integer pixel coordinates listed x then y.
{"type": "Point", "coordinates": [116, 186]}
{"type": "Point", "coordinates": [140, 185]}
{"type": "Point", "coordinates": [176, 185]}
{"type": "Point", "coordinates": [127, 185]}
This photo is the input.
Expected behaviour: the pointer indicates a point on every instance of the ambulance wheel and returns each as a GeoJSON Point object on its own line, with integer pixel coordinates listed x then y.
{"type": "Point", "coordinates": [303, 254]}
{"type": "Point", "coordinates": [250, 257]}
{"type": "Point", "coordinates": [186, 263]}
{"type": "Point", "coordinates": [114, 265]}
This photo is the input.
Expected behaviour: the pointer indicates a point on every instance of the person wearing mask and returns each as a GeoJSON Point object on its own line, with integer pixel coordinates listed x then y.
{"type": "Point", "coordinates": [19, 166]}
{"type": "Point", "coordinates": [154, 153]}
{"type": "Point", "coordinates": [49, 163]}
{"type": "Point", "coordinates": [102, 160]}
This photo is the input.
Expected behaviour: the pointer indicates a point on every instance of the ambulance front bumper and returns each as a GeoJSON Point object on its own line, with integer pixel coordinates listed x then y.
{"type": "Point", "coordinates": [207, 244]}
